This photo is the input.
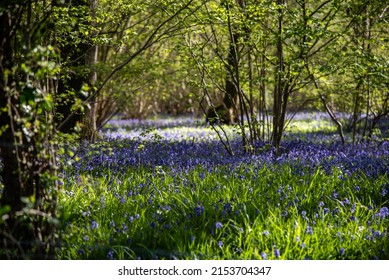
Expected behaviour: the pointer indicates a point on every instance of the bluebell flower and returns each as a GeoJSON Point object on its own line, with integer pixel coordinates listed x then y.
{"type": "Point", "coordinates": [218, 225]}
{"type": "Point", "coordinates": [277, 253]}
{"type": "Point", "coordinates": [377, 234]}
{"type": "Point", "coordinates": [220, 244]}
{"type": "Point", "coordinates": [227, 207]}
{"type": "Point", "coordinates": [264, 256]}
{"type": "Point", "coordinates": [341, 251]}
{"type": "Point", "coordinates": [166, 226]}
{"type": "Point", "coordinates": [321, 204]}
{"type": "Point", "coordinates": [266, 233]}
{"type": "Point", "coordinates": [383, 213]}
{"type": "Point", "coordinates": [94, 225]}
{"type": "Point", "coordinates": [309, 230]}
{"type": "Point", "coordinates": [110, 255]}
{"type": "Point", "coordinates": [199, 210]}
{"type": "Point", "coordinates": [86, 214]}
{"type": "Point", "coordinates": [335, 211]}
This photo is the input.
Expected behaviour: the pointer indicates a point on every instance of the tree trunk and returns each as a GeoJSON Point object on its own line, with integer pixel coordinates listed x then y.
{"type": "Point", "coordinates": [77, 75]}
{"type": "Point", "coordinates": [280, 91]}
{"type": "Point", "coordinates": [89, 121]}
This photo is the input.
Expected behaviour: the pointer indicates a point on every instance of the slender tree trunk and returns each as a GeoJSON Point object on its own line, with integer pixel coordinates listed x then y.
{"type": "Point", "coordinates": [89, 121]}
{"type": "Point", "coordinates": [279, 101]}
{"type": "Point", "coordinates": [70, 85]}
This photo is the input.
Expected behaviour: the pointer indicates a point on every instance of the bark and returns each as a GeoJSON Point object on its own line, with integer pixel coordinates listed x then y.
{"type": "Point", "coordinates": [75, 59]}
{"type": "Point", "coordinates": [12, 189]}
{"type": "Point", "coordinates": [280, 90]}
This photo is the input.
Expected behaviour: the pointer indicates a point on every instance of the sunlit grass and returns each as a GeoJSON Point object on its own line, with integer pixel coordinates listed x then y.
{"type": "Point", "coordinates": [174, 193]}
{"type": "Point", "coordinates": [222, 215]}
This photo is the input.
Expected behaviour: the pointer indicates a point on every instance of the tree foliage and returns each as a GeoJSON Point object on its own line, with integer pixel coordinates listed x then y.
{"type": "Point", "coordinates": [68, 66]}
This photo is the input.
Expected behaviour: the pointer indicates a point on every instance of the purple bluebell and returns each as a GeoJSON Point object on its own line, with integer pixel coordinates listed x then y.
{"type": "Point", "coordinates": [309, 230]}
{"type": "Point", "coordinates": [383, 213]}
{"type": "Point", "coordinates": [342, 251]}
{"type": "Point", "coordinates": [94, 225]}
{"type": "Point", "coordinates": [110, 255]}
{"type": "Point", "coordinates": [199, 210]}
{"type": "Point", "coordinates": [227, 207]}
{"type": "Point", "coordinates": [277, 253]}
{"type": "Point", "coordinates": [218, 225]}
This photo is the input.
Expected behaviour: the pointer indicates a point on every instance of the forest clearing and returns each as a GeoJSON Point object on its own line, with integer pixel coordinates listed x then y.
{"type": "Point", "coordinates": [175, 193]}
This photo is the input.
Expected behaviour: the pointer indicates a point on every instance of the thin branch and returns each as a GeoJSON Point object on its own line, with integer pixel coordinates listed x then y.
{"type": "Point", "coordinates": [145, 46]}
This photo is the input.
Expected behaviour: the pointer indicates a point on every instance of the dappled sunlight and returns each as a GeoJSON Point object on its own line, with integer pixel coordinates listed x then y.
{"type": "Point", "coordinates": [129, 195]}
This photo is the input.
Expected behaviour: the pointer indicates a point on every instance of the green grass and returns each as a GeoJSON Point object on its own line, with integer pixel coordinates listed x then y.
{"type": "Point", "coordinates": [254, 210]}
{"type": "Point", "coordinates": [152, 214]}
